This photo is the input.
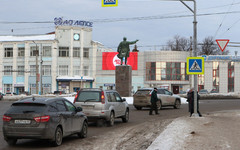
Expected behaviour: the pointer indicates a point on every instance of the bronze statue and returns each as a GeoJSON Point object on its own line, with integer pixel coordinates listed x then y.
{"type": "Point", "coordinates": [123, 49]}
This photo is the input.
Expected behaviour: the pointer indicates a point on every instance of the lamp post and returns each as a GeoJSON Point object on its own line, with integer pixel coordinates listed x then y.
{"type": "Point", "coordinates": [195, 114]}
{"type": "Point", "coordinates": [37, 74]}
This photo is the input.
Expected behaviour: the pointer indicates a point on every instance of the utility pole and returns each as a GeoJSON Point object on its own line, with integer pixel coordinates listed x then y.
{"type": "Point", "coordinates": [41, 61]}
{"type": "Point", "coordinates": [195, 114]}
{"type": "Point", "coordinates": [37, 74]}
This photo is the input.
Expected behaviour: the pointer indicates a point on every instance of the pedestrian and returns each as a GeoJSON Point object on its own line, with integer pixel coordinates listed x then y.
{"type": "Point", "coordinates": [190, 100]}
{"type": "Point", "coordinates": [154, 100]}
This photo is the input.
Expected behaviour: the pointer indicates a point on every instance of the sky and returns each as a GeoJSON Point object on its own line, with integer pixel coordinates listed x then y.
{"type": "Point", "coordinates": [152, 22]}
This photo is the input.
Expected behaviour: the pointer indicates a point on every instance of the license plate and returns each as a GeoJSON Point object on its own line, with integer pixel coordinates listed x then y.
{"type": "Point", "coordinates": [22, 121]}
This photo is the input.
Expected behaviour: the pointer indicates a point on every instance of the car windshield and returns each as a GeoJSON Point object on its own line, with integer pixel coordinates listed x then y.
{"type": "Point", "coordinates": [27, 108]}
{"type": "Point", "coordinates": [92, 96]}
{"type": "Point", "coordinates": [143, 92]}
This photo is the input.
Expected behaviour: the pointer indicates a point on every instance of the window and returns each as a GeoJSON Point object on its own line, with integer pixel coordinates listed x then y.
{"type": "Point", "coordinates": [118, 98]}
{"type": "Point", "coordinates": [7, 88]}
{"type": "Point", "coordinates": [76, 70]}
{"type": "Point", "coordinates": [230, 76]}
{"type": "Point", "coordinates": [8, 51]}
{"type": "Point", "coordinates": [32, 70]}
{"type": "Point", "coordinates": [86, 52]}
{"type": "Point", "coordinates": [76, 51]}
{"type": "Point", "coordinates": [46, 70]}
{"type": "Point", "coordinates": [34, 51]}
{"type": "Point", "coordinates": [20, 71]}
{"type": "Point", "coordinates": [85, 70]}
{"type": "Point", "coordinates": [7, 70]}
{"type": "Point", "coordinates": [200, 82]}
{"type": "Point", "coordinates": [53, 107]}
{"type": "Point", "coordinates": [21, 51]}
{"type": "Point", "coordinates": [47, 51]}
{"type": "Point", "coordinates": [216, 76]}
{"type": "Point", "coordinates": [113, 98]}
{"type": "Point", "coordinates": [70, 106]}
{"type": "Point", "coordinates": [166, 71]}
{"type": "Point", "coordinates": [63, 51]}
{"type": "Point", "coordinates": [61, 106]}
{"type": "Point", "coordinates": [63, 70]}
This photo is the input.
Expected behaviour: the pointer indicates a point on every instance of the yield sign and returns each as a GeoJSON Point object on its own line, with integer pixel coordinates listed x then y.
{"type": "Point", "coordinates": [222, 43]}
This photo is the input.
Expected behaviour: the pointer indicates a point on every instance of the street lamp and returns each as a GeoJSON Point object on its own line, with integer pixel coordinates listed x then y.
{"type": "Point", "coordinates": [37, 74]}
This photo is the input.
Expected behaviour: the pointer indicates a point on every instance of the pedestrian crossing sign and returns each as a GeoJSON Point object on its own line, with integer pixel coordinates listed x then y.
{"type": "Point", "coordinates": [109, 3]}
{"type": "Point", "coordinates": [195, 65]}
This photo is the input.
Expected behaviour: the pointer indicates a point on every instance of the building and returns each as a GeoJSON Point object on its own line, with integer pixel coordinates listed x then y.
{"type": "Point", "coordinates": [66, 58]}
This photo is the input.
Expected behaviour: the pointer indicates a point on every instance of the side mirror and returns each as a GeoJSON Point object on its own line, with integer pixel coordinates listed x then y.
{"type": "Point", "coordinates": [171, 93]}
{"type": "Point", "coordinates": [79, 109]}
{"type": "Point", "coordinates": [124, 99]}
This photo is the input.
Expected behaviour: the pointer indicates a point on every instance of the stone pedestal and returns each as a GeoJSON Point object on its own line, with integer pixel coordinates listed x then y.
{"type": "Point", "coordinates": [123, 80]}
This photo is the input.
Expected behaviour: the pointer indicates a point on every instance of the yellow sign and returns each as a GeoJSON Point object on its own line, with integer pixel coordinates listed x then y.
{"type": "Point", "coordinates": [109, 3]}
{"type": "Point", "coordinates": [195, 65]}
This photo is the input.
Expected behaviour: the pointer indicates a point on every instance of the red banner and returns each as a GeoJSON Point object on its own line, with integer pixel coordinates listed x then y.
{"type": "Point", "coordinates": [110, 60]}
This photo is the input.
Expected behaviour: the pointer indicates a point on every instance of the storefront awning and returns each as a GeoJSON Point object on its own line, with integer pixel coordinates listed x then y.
{"type": "Point", "coordinates": [76, 78]}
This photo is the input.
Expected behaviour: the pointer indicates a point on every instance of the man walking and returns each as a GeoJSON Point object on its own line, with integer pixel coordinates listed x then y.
{"type": "Point", "coordinates": [154, 100]}
{"type": "Point", "coordinates": [190, 100]}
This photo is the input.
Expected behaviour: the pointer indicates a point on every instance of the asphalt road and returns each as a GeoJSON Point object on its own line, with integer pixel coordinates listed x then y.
{"type": "Point", "coordinates": [136, 117]}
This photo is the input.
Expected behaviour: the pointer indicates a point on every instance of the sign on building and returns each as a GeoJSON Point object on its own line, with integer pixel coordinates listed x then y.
{"type": "Point", "coordinates": [109, 3]}
{"type": "Point", "coordinates": [195, 65]}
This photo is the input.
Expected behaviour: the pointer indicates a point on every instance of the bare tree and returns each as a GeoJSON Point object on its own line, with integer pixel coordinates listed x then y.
{"type": "Point", "coordinates": [179, 44]}
{"type": "Point", "coordinates": [209, 47]}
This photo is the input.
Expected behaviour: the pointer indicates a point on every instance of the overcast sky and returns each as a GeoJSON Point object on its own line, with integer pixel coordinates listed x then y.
{"type": "Point", "coordinates": [156, 21]}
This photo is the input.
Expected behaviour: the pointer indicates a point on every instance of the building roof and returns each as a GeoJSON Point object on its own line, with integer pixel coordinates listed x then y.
{"type": "Point", "coordinates": [15, 38]}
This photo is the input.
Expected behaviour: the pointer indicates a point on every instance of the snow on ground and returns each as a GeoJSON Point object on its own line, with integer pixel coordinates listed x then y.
{"type": "Point", "coordinates": [130, 100]}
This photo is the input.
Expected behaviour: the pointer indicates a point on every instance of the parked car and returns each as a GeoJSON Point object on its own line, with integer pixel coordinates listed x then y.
{"type": "Point", "coordinates": [10, 94]}
{"type": "Point", "coordinates": [99, 104]}
{"type": "Point", "coordinates": [214, 91]}
{"type": "Point", "coordinates": [203, 91]}
{"type": "Point", "coordinates": [1, 96]}
{"type": "Point", "coordinates": [142, 98]}
{"type": "Point", "coordinates": [43, 118]}
{"type": "Point", "coordinates": [59, 92]}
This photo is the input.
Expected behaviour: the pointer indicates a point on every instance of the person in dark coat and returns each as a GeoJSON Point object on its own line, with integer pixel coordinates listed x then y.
{"type": "Point", "coordinates": [190, 100]}
{"type": "Point", "coordinates": [154, 100]}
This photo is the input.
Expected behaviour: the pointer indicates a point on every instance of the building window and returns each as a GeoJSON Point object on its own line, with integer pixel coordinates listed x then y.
{"type": "Point", "coordinates": [86, 52]}
{"type": "Point", "coordinates": [34, 51]}
{"type": "Point", "coordinates": [76, 51]}
{"type": "Point", "coordinates": [47, 51]}
{"type": "Point", "coordinates": [21, 51]}
{"type": "Point", "coordinates": [46, 70]}
{"type": "Point", "coordinates": [63, 70]}
{"type": "Point", "coordinates": [8, 51]}
{"type": "Point", "coordinates": [200, 82]}
{"type": "Point", "coordinates": [20, 71]}
{"type": "Point", "coordinates": [76, 70]}
{"type": "Point", "coordinates": [85, 70]}
{"type": "Point", "coordinates": [33, 70]}
{"type": "Point", "coordinates": [216, 76]}
{"type": "Point", "coordinates": [63, 51]}
{"type": "Point", "coordinates": [166, 71]}
{"type": "Point", "coordinates": [7, 88]}
{"type": "Point", "coordinates": [7, 70]}
{"type": "Point", "coordinates": [230, 76]}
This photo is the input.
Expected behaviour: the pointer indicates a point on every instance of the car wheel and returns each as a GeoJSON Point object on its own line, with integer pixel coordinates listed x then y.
{"type": "Point", "coordinates": [126, 116]}
{"type": "Point", "coordinates": [11, 142]}
{"type": "Point", "coordinates": [58, 137]}
{"type": "Point", "coordinates": [111, 121]}
{"type": "Point", "coordinates": [177, 104]}
{"type": "Point", "coordinates": [83, 133]}
{"type": "Point", "coordinates": [159, 105]}
{"type": "Point", "coordinates": [138, 107]}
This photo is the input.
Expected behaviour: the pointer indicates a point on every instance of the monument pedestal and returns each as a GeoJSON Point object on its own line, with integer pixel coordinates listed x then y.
{"type": "Point", "coordinates": [123, 80]}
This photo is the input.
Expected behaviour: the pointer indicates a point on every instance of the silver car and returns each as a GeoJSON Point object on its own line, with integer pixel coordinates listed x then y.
{"type": "Point", "coordinates": [99, 104]}
{"type": "Point", "coordinates": [142, 98]}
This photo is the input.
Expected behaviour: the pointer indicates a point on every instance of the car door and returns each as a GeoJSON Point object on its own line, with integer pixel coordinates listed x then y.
{"type": "Point", "coordinates": [114, 103]}
{"type": "Point", "coordinates": [65, 115]}
{"type": "Point", "coordinates": [170, 98]}
{"type": "Point", "coordinates": [121, 105]}
{"type": "Point", "coordinates": [161, 95]}
{"type": "Point", "coordinates": [75, 117]}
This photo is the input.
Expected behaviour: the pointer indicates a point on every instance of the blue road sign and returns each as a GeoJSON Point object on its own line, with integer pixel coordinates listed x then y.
{"type": "Point", "coordinates": [195, 65]}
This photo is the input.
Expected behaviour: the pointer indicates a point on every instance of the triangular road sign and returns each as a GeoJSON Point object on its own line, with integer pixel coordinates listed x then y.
{"type": "Point", "coordinates": [222, 43]}
{"type": "Point", "coordinates": [195, 66]}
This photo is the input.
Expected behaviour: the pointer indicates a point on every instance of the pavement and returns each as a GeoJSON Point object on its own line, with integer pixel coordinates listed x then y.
{"type": "Point", "coordinates": [213, 131]}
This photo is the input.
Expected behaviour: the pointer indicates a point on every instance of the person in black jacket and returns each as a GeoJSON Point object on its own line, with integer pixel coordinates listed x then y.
{"type": "Point", "coordinates": [154, 100]}
{"type": "Point", "coordinates": [190, 100]}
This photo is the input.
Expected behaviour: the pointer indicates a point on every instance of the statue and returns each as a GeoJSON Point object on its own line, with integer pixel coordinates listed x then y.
{"type": "Point", "coordinates": [123, 49]}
